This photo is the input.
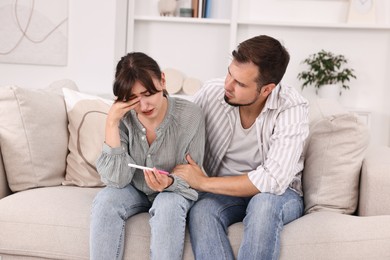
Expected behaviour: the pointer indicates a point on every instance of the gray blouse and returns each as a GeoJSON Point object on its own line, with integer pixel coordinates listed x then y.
{"type": "Point", "coordinates": [181, 132]}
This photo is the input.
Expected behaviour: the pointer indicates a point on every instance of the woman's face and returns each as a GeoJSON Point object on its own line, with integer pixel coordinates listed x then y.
{"type": "Point", "coordinates": [150, 106]}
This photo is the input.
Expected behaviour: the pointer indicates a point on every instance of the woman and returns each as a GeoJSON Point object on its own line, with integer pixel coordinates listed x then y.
{"type": "Point", "coordinates": [145, 127]}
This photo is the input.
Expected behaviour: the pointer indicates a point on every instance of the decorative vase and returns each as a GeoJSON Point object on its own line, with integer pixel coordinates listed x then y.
{"type": "Point", "coordinates": [330, 91]}
{"type": "Point", "coordinates": [167, 7]}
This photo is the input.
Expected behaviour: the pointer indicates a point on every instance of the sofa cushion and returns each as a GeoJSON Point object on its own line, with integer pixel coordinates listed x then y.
{"type": "Point", "coordinates": [4, 189]}
{"type": "Point", "coordinates": [334, 153]}
{"type": "Point", "coordinates": [87, 116]}
{"type": "Point", "coordinates": [50, 222]}
{"type": "Point", "coordinates": [33, 135]}
{"type": "Point", "coordinates": [334, 236]}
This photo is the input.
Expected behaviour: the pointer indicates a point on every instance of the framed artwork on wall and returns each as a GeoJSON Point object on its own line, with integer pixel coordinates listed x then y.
{"type": "Point", "coordinates": [34, 32]}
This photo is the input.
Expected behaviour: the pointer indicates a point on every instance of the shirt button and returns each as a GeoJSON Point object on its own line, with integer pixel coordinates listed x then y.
{"type": "Point", "coordinates": [143, 138]}
{"type": "Point", "coordinates": [148, 155]}
{"type": "Point", "coordinates": [143, 130]}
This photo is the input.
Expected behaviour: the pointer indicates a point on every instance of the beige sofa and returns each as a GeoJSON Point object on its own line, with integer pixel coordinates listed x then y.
{"type": "Point", "coordinates": [48, 182]}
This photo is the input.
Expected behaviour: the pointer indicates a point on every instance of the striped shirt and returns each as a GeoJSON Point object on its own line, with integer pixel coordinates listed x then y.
{"type": "Point", "coordinates": [182, 132]}
{"type": "Point", "coordinates": [282, 128]}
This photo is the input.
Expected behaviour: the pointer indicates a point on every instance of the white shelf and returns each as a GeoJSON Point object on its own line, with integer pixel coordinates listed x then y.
{"type": "Point", "coordinates": [261, 23]}
{"type": "Point", "coordinates": [181, 20]}
{"type": "Point", "coordinates": [314, 25]}
{"type": "Point", "coordinates": [201, 47]}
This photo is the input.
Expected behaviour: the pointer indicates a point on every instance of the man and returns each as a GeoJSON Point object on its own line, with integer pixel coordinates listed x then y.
{"type": "Point", "coordinates": [256, 129]}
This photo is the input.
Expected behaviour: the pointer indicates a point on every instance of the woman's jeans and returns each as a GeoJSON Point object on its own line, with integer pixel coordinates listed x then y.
{"type": "Point", "coordinates": [112, 207]}
{"type": "Point", "coordinates": [263, 216]}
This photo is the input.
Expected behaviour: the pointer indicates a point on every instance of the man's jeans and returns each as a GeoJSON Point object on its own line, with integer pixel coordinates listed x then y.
{"type": "Point", "coordinates": [112, 207]}
{"type": "Point", "coordinates": [263, 216]}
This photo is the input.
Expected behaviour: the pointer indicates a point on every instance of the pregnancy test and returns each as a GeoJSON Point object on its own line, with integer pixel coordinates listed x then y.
{"type": "Point", "coordinates": [146, 168]}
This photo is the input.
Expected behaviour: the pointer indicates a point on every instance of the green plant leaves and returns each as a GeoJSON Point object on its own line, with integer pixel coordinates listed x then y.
{"type": "Point", "coordinates": [324, 68]}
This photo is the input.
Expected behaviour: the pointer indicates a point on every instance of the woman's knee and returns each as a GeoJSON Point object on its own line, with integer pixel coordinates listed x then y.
{"type": "Point", "coordinates": [123, 202]}
{"type": "Point", "coordinates": [104, 201]}
{"type": "Point", "coordinates": [170, 205]}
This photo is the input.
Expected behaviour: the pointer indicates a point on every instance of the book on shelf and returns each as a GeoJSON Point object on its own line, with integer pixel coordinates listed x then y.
{"type": "Point", "coordinates": [195, 8]}
{"type": "Point", "coordinates": [219, 9]}
{"type": "Point", "coordinates": [199, 8]}
{"type": "Point", "coordinates": [207, 8]}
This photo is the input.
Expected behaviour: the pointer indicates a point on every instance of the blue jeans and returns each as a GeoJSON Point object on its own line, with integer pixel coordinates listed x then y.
{"type": "Point", "coordinates": [112, 207]}
{"type": "Point", "coordinates": [263, 216]}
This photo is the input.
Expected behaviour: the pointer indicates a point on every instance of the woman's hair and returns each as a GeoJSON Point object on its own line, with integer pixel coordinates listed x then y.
{"type": "Point", "coordinates": [268, 54]}
{"type": "Point", "coordinates": [133, 67]}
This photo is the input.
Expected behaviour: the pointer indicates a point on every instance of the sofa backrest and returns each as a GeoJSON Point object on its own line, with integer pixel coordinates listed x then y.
{"type": "Point", "coordinates": [4, 189]}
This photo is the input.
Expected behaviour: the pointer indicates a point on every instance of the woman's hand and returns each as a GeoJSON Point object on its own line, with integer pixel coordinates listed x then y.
{"type": "Point", "coordinates": [157, 181]}
{"type": "Point", "coordinates": [116, 112]}
{"type": "Point", "coordinates": [119, 109]}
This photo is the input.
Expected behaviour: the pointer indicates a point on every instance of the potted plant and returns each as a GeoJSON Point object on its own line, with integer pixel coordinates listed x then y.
{"type": "Point", "coordinates": [326, 70]}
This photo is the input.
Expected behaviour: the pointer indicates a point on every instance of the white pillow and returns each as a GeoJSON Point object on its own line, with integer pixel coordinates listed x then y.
{"type": "Point", "coordinates": [334, 154]}
{"type": "Point", "coordinates": [87, 116]}
{"type": "Point", "coordinates": [33, 135]}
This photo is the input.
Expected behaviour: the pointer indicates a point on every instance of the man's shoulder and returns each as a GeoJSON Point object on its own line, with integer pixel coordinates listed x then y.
{"type": "Point", "coordinates": [210, 93]}
{"type": "Point", "coordinates": [290, 96]}
{"type": "Point", "coordinates": [213, 86]}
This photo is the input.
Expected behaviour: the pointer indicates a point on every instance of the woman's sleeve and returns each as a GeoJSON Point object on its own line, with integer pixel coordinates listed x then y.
{"type": "Point", "coordinates": [112, 164]}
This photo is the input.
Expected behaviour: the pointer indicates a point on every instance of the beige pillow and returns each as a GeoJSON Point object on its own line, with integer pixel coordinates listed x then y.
{"type": "Point", "coordinates": [334, 153]}
{"type": "Point", "coordinates": [33, 135]}
{"type": "Point", "coordinates": [87, 116]}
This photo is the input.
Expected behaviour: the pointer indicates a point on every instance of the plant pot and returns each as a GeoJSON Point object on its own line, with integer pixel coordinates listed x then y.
{"type": "Point", "coordinates": [331, 91]}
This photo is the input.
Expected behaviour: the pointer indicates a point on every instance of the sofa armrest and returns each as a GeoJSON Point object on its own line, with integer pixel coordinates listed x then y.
{"type": "Point", "coordinates": [374, 195]}
{"type": "Point", "coordinates": [4, 189]}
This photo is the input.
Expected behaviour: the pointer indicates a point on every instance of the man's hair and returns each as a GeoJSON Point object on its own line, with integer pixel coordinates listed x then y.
{"type": "Point", "coordinates": [133, 67]}
{"type": "Point", "coordinates": [268, 54]}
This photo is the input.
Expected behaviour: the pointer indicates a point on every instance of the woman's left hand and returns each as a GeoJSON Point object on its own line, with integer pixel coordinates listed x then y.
{"type": "Point", "coordinates": [157, 181]}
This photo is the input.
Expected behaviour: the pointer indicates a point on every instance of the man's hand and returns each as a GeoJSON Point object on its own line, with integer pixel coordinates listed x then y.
{"type": "Point", "coordinates": [157, 181]}
{"type": "Point", "coordinates": [239, 186]}
{"type": "Point", "coordinates": [191, 173]}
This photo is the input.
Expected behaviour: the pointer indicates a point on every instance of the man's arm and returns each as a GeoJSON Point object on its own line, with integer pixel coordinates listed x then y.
{"type": "Point", "coordinates": [239, 186]}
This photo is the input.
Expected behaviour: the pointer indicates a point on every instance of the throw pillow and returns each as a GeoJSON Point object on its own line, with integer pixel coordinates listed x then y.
{"type": "Point", "coordinates": [87, 116]}
{"type": "Point", "coordinates": [334, 153]}
{"type": "Point", "coordinates": [33, 135]}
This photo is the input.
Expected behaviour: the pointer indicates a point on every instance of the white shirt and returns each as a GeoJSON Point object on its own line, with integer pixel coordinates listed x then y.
{"type": "Point", "coordinates": [243, 155]}
{"type": "Point", "coordinates": [282, 128]}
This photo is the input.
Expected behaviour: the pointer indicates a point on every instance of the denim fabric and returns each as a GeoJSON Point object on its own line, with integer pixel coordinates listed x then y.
{"type": "Point", "coordinates": [263, 216]}
{"type": "Point", "coordinates": [168, 225]}
{"type": "Point", "coordinates": [113, 206]}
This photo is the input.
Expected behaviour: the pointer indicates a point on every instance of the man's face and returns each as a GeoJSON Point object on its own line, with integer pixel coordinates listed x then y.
{"type": "Point", "coordinates": [240, 84]}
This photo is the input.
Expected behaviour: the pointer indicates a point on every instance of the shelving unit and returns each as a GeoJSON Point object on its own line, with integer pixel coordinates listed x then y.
{"type": "Point", "coordinates": [201, 47]}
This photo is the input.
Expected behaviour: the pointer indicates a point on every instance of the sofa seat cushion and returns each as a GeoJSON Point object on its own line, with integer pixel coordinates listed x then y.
{"type": "Point", "coordinates": [330, 235]}
{"type": "Point", "coordinates": [53, 223]}
{"type": "Point", "coordinates": [50, 222]}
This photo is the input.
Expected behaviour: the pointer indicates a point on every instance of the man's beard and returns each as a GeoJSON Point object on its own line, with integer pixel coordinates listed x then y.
{"type": "Point", "coordinates": [240, 105]}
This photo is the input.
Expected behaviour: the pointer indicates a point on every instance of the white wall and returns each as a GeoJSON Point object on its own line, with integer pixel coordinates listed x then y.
{"type": "Point", "coordinates": [367, 49]}
{"type": "Point", "coordinates": [95, 45]}
{"type": "Point", "coordinates": [91, 51]}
